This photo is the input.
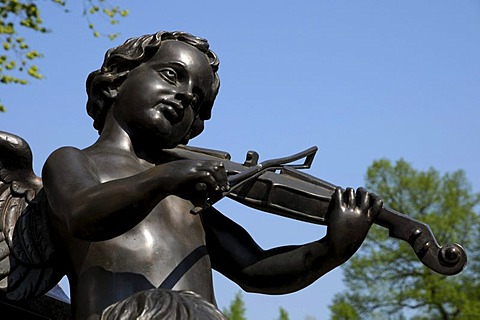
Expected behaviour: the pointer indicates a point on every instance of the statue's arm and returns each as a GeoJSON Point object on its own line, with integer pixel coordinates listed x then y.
{"type": "Point", "coordinates": [94, 210]}
{"type": "Point", "coordinates": [286, 269]}
{"type": "Point", "coordinates": [235, 254]}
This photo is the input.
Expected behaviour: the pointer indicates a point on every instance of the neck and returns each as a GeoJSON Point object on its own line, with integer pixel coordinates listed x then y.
{"type": "Point", "coordinates": [115, 137]}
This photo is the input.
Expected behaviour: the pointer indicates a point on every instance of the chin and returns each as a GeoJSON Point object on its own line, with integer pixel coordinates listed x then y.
{"type": "Point", "coordinates": [161, 142]}
{"type": "Point", "coordinates": [170, 145]}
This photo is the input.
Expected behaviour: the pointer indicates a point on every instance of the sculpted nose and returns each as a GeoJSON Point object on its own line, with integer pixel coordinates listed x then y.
{"type": "Point", "coordinates": [185, 98]}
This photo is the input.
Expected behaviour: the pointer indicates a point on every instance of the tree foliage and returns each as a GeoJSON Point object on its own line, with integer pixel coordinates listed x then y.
{"type": "Point", "coordinates": [236, 311]}
{"type": "Point", "coordinates": [283, 314]}
{"type": "Point", "coordinates": [341, 309]}
{"type": "Point", "coordinates": [385, 280]}
{"type": "Point", "coordinates": [17, 58]}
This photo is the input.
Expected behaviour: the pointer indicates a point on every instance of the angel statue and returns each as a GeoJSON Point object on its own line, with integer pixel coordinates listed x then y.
{"type": "Point", "coordinates": [130, 219]}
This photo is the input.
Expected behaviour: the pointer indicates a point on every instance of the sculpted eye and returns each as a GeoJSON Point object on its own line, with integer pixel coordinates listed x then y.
{"type": "Point", "coordinates": [169, 74]}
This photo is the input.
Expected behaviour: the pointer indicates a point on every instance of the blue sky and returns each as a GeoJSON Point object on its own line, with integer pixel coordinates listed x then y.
{"type": "Point", "coordinates": [362, 80]}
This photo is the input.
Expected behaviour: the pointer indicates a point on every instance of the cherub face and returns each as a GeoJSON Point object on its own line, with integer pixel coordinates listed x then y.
{"type": "Point", "coordinates": [158, 102]}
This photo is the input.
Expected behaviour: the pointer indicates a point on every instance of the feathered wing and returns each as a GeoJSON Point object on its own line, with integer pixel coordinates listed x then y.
{"type": "Point", "coordinates": [28, 259]}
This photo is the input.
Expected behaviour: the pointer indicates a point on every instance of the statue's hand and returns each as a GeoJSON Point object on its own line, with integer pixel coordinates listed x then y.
{"type": "Point", "coordinates": [352, 214]}
{"type": "Point", "coordinates": [193, 177]}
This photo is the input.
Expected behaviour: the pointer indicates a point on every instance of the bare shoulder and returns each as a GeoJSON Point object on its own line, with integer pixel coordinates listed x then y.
{"type": "Point", "coordinates": [67, 162]}
{"type": "Point", "coordinates": [65, 153]}
{"type": "Point", "coordinates": [65, 158]}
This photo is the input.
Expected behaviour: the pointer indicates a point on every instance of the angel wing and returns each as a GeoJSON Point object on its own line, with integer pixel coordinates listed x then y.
{"type": "Point", "coordinates": [29, 262]}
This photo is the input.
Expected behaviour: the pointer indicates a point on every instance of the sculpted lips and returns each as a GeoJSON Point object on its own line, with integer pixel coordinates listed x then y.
{"type": "Point", "coordinates": [172, 111]}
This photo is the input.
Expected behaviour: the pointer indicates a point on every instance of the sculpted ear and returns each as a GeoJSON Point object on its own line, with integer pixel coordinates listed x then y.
{"type": "Point", "coordinates": [109, 92]}
{"type": "Point", "coordinates": [112, 84]}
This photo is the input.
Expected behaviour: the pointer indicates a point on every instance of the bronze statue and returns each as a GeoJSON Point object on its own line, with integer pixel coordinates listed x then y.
{"type": "Point", "coordinates": [132, 215]}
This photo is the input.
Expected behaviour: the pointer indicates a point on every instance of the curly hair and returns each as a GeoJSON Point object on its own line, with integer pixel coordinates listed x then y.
{"type": "Point", "coordinates": [163, 304]}
{"type": "Point", "coordinates": [103, 84]}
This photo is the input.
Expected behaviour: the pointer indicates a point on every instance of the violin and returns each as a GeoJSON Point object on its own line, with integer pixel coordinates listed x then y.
{"type": "Point", "coordinates": [279, 187]}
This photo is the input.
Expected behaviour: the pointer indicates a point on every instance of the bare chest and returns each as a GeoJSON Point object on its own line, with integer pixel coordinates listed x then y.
{"type": "Point", "coordinates": [160, 241]}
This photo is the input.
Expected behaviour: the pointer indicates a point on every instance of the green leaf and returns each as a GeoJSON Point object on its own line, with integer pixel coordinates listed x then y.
{"type": "Point", "coordinates": [113, 36]}
{"type": "Point", "coordinates": [94, 9]}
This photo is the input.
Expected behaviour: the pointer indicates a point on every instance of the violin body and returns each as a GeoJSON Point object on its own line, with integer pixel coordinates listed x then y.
{"type": "Point", "coordinates": [291, 193]}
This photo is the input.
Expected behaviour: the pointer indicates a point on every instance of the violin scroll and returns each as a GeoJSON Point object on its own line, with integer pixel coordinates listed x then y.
{"type": "Point", "coordinates": [449, 259]}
